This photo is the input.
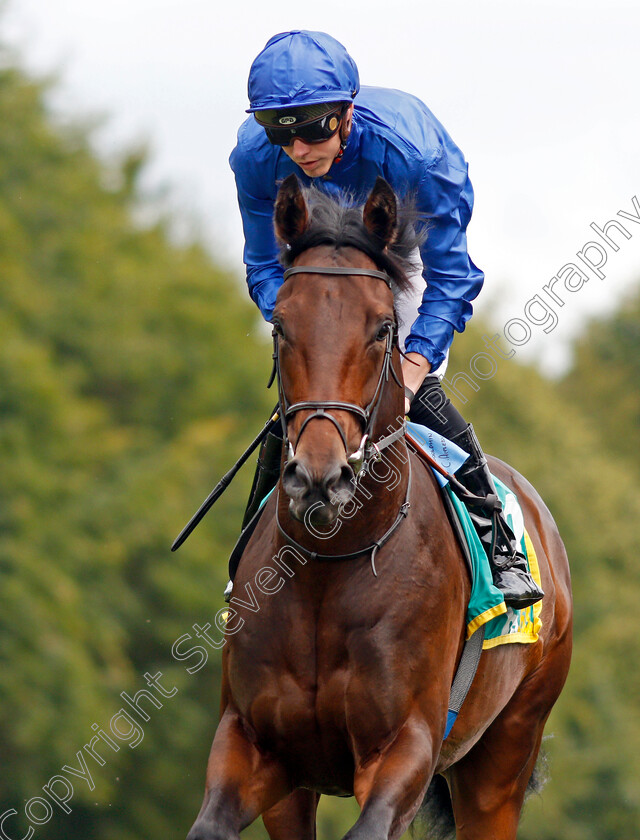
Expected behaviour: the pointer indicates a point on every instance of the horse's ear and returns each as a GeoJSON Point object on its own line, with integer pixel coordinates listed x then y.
{"type": "Point", "coordinates": [291, 216]}
{"type": "Point", "coordinates": [380, 214]}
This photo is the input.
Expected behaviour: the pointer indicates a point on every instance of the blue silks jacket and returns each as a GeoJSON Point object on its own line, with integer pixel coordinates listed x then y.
{"type": "Point", "coordinates": [396, 136]}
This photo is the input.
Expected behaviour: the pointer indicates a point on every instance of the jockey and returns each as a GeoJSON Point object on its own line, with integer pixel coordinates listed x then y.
{"type": "Point", "coordinates": [310, 117]}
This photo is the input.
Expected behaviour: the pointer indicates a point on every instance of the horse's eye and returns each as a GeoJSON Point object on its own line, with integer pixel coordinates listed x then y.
{"type": "Point", "coordinates": [383, 332]}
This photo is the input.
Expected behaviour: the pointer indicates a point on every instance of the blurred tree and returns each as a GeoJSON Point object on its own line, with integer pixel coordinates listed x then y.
{"type": "Point", "coordinates": [131, 375]}
{"type": "Point", "coordinates": [607, 367]}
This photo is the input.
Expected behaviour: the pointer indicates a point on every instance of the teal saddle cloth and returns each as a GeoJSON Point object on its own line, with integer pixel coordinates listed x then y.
{"type": "Point", "coordinates": [503, 625]}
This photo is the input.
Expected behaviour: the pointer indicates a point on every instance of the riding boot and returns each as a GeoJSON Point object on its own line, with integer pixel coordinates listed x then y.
{"type": "Point", "coordinates": [509, 566]}
{"type": "Point", "coordinates": [264, 480]}
{"type": "Point", "coordinates": [267, 473]}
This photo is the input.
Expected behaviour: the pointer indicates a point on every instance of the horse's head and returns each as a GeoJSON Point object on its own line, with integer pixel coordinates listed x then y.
{"type": "Point", "coordinates": [335, 338]}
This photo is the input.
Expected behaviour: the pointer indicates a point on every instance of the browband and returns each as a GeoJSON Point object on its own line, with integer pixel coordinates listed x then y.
{"type": "Point", "coordinates": [329, 269]}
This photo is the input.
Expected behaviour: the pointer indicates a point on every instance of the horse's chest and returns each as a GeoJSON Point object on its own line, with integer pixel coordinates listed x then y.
{"type": "Point", "coordinates": [325, 687]}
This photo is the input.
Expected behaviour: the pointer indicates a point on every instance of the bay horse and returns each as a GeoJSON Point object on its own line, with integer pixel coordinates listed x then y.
{"type": "Point", "coordinates": [337, 665]}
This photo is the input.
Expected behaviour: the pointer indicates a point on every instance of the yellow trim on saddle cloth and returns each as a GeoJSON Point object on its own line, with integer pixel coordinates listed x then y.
{"type": "Point", "coordinates": [483, 618]}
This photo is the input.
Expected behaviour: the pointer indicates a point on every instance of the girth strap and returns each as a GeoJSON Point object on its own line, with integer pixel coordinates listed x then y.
{"type": "Point", "coordinates": [466, 671]}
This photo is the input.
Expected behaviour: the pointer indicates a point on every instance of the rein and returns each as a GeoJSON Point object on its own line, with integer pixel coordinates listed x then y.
{"type": "Point", "coordinates": [368, 450]}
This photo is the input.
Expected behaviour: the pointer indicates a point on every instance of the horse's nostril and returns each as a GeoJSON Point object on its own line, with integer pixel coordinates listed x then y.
{"type": "Point", "coordinates": [295, 478]}
{"type": "Point", "coordinates": [338, 484]}
{"type": "Point", "coordinates": [347, 473]}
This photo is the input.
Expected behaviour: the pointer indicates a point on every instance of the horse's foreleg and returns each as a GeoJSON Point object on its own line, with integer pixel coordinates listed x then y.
{"type": "Point", "coordinates": [390, 787]}
{"type": "Point", "coordinates": [242, 783]}
{"type": "Point", "coordinates": [293, 818]}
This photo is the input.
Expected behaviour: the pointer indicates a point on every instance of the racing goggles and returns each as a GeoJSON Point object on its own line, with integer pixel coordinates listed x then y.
{"type": "Point", "coordinates": [283, 127]}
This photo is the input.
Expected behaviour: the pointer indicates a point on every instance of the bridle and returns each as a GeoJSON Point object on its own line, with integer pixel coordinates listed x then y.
{"type": "Point", "coordinates": [367, 448]}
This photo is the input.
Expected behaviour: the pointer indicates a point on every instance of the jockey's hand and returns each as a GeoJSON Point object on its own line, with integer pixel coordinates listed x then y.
{"type": "Point", "coordinates": [414, 369]}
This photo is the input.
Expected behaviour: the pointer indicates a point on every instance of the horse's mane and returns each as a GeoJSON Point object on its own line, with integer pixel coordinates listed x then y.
{"type": "Point", "coordinates": [339, 223]}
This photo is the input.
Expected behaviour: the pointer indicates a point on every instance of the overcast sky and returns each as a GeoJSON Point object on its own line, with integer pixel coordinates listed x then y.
{"type": "Point", "coordinates": [542, 99]}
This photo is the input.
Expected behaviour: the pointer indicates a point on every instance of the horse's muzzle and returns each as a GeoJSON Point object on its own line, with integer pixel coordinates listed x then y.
{"type": "Point", "coordinates": [318, 499]}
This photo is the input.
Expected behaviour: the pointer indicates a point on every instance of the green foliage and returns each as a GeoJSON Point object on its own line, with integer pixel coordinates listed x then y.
{"type": "Point", "coordinates": [127, 385]}
{"type": "Point", "coordinates": [607, 365]}
{"type": "Point", "coordinates": [130, 379]}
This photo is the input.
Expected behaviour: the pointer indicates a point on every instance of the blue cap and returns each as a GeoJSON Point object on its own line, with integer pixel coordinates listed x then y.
{"type": "Point", "coordinates": [301, 68]}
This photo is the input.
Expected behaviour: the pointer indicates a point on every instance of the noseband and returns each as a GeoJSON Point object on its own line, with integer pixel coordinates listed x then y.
{"type": "Point", "coordinates": [322, 408]}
